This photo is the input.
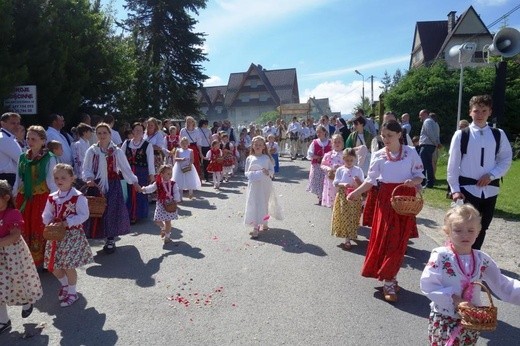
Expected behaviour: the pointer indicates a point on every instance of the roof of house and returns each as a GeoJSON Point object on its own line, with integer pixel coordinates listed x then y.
{"type": "Point", "coordinates": [431, 35]}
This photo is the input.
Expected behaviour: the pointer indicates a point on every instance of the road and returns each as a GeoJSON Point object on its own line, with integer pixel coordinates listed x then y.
{"type": "Point", "coordinates": [214, 285]}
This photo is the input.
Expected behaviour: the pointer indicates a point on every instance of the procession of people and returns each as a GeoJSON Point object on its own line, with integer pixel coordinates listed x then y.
{"type": "Point", "coordinates": [351, 170]}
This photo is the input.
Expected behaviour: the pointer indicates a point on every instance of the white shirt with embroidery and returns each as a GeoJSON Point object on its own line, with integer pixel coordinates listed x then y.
{"type": "Point", "coordinates": [408, 167]}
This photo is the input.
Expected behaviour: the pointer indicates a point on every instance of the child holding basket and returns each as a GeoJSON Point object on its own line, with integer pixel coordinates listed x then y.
{"type": "Point", "coordinates": [449, 276]}
{"type": "Point", "coordinates": [67, 207]}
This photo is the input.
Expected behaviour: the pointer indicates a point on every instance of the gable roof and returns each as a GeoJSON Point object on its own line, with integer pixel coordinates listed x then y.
{"type": "Point", "coordinates": [470, 11]}
{"type": "Point", "coordinates": [431, 37]}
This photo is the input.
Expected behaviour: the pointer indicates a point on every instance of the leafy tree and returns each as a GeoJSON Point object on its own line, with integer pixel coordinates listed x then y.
{"type": "Point", "coordinates": [397, 77]}
{"type": "Point", "coordinates": [265, 117]}
{"type": "Point", "coordinates": [170, 56]}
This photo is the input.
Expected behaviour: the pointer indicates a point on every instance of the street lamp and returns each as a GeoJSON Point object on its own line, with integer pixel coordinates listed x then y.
{"type": "Point", "coordinates": [363, 89]}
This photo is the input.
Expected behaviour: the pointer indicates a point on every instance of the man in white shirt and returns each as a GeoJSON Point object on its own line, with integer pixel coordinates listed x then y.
{"type": "Point", "coordinates": [269, 129]}
{"type": "Point", "coordinates": [405, 123]}
{"type": "Point", "coordinates": [56, 124]}
{"type": "Point", "coordinates": [293, 131]}
{"type": "Point", "coordinates": [116, 137]}
{"type": "Point", "coordinates": [429, 140]}
{"type": "Point", "coordinates": [475, 169]}
{"type": "Point", "coordinates": [10, 150]}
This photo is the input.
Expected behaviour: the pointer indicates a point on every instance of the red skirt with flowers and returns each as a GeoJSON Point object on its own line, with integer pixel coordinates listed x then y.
{"type": "Point", "coordinates": [389, 236]}
{"type": "Point", "coordinates": [33, 230]}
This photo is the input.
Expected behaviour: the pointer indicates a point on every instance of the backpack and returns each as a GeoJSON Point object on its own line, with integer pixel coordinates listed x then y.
{"type": "Point", "coordinates": [464, 139]}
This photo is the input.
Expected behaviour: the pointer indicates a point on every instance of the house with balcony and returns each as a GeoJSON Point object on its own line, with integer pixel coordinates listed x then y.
{"type": "Point", "coordinates": [249, 94]}
{"type": "Point", "coordinates": [433, 39]}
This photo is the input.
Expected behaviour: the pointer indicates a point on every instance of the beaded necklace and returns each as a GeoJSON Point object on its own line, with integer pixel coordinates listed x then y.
{"type": "Point", "coordinates": [398, 157]}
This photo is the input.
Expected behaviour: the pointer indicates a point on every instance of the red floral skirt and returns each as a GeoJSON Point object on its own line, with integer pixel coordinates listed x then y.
{"type": "Point", "coordinates": [196, 158]}
{"type": "Point", "coordinates": [33, 229]}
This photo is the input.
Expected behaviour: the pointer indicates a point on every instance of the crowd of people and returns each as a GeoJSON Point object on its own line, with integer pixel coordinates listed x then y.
{"type": "Point", "coordinates": [354, 167]}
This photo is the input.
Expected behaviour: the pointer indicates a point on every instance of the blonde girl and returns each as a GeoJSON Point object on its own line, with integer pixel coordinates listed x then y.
{"type": "Point", "coordinates": [67, 207]}
{"type": "Point", "coordinates": [215, 158]}
{"type": "Point", "coordinates": [447, 279]}
{"type": "Point", "coordinates": [167, 192]}
{"type": "Point", "coordinates": [35, 181]}
{"type": "Point", "coordinates": [192, 133]}
{"type": "Point", "coordinates": [184, 173]}
{"type": "Point", "coordinates": [19, 281]}
{"type": "Point", "coordinates": [261, 202]}
{"type": "Point", "coordinates": [346, 214]}
{"type": "Point", "coordinates": [228, 150]}
{"type": "Point", "coordinates": [331, 161]}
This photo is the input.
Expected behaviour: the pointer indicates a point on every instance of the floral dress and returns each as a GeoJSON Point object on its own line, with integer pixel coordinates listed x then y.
{"type": "Point", "coordinates": [346, 214]}
{"type": "Point", "coordinates": [19, 280]}
{"type": "Point", "coordinates": [74, 250]}
{"type": "Point", "coordinates": [330, 162]}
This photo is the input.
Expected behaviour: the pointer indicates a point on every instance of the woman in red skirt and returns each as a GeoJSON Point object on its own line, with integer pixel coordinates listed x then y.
{"type": "Point", "coordinates": [394, 165]}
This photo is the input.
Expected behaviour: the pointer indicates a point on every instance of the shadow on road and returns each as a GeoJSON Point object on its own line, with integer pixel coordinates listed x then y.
{"type": "Point", "coordinates": [126, 263]}
{"type": "Point", "coordinates": [78, 325]}
{"type": "Point", "coordinates": [505, 334]}
{"type": "Point", "coordinates": [296, 173]}
{"type": "Point", "coordinates": [428, 223]}
{"type": "Point", "coordinates": [409, 302]}
{"type": "Point", "coordinates": [289, 242]}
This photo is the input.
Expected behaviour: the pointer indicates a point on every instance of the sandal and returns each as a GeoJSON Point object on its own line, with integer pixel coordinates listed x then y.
{"type": "Point", "coordinates": [62, 293]}
{"type": "Point", "coordinates": [5, 326]}
{"type": "Point", "coordinates": [110, 247]}
{"type": "Point", "coordinates": [69, 300]}
{"type": "Point", "coordinates": [254, 234]}
{"type": "Point", "coordinates": [347, 245]}
{"type": "Point", "coordinates": [27, 312]}
{"type": "Point", "coordinates": [389, 292]}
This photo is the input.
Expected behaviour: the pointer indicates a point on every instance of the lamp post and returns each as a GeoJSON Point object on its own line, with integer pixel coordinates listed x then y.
{"type": "Point", "coordinates": [363, 89]}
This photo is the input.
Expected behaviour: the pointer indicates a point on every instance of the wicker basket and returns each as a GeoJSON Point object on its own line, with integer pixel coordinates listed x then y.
{"type": "Point", "coordinates": [479, 317]}
{"type": "Point", "coordinates": [96, 205]}
{"type": "Point", "coordinates": [170, 206]}
{"type": "Point", "coordinates": [406, 205]}
{"type": "Point", "coordinates": [331, 174]}
{"type": "Point", "coordinates": [54, 232]}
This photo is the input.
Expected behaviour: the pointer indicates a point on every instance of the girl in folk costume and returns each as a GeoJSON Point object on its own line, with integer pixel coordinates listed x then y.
{"type": "Point", "coordinates": [274, 151]}
{"type": "Point", "coordinates": [204, 146]}
{"type": "Point", "coordinates": [172, 143]}
{"type": "Point", "coordinates": [68, 207]}
{"type": "Point", "coordinates": [345, 214]}
{"type": "Point", "coordinates": [261, 201]}
{"type": "Point", "coordinates": [184, 173]}
{"type": "Point", "coordinates": [19, 280]}
{"type": "Point", "coordinates": [139, 154]}
{"type": "Point", "coordinates": [318, 148]}
{"type": "Point", "coordinates": [155, 137]}
{"type": "Point", "coordinates": [449, 276]}
{"type": "Point", "coordinates": [243, 146]}
{"type": "Point", "coordinates": [331, 161]}
{"type": "Point", "coordinates": [215, 158]}
{"type": "Point", "coordinates": [394, 165]}
{"type": "Point", "coordinates": [191, 132]}
{"type": "Point", "coordinates": [167, 192]}
{"type": "Point", "coordinates": [103, 162]}
{"type": "Point", "coordinates": [35, 182]}
{"type": "Point", "coordinates": [228, 152]}
{"type": "Point", "coordinates": [79, 148]}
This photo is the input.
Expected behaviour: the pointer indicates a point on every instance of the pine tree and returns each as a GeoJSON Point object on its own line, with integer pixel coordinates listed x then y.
{"type": "Point", "coordinates": [397, 77]}
{"type": "Point", "coordinates": [386, 81]}
{"type": "Point", "coordinates": [170, 56]}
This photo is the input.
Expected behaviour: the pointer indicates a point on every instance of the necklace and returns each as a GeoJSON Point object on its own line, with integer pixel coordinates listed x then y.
{"type": "Point", "coordinates": [138, 144]}
{"type": "Point", "coordinates": [470, 274]}
{"type": "Point", "coordinates": [66, 195]}
{"type": "Point", "coordinates": [389, 155]}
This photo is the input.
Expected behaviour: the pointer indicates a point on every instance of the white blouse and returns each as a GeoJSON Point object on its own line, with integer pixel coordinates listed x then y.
{"type": "Point", "coordinates": [80, 208]}
{"type": "Point", "coordinates": [193, 135]}
{"type": "Point", "coordinates": [79, 149]}
{"type": "Point", "coordinates": [442, 277]}
{"type": "Point", "coordinates": [153, 187]}
{"type": "Point", "coordinates": [408, 167]}
{"type": "Point", "coordinates": [149, 153]}
{"type": "Point", "coordinates": [347, 175]}
{"type": "Point", "coordinates": [321, 143]}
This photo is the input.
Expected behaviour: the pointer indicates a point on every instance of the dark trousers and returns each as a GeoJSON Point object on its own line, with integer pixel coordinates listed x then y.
{"type": "Point", "coordinates": [486, 207]}
{"type": "Point", "coordinates": [426, 154]}
{"type": "Point", "coordinates": [10, 177]}
{"type": "Point", "coordinates": [205, 163]}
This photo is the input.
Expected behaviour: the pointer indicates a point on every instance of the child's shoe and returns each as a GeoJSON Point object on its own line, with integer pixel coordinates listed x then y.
{"type": "Point", "coordinates": [69, 300]}
{"type": "Point", "coordinates": [62, 293]}
{"type": "Point", "coordinates": [167, 238]}
{"type": "Point", "coordinates": [254, 234]}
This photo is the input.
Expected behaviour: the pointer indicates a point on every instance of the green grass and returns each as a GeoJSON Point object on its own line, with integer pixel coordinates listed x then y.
{"type": "Point", "coordinates": [508, 203]}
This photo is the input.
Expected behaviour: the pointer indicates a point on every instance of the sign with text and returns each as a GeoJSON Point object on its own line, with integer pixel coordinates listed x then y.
{"type": "Point", "coordinates": [22, 100]}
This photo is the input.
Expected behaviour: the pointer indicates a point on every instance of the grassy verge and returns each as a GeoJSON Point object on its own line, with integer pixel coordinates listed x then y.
{"type": "Point", "coordinates": [508, 203]}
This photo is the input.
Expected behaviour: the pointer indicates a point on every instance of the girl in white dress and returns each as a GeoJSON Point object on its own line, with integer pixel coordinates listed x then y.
{"type": "Point", "coordinates": [261, 201]}
{"type": "Point", "coordinates": [184, 172]}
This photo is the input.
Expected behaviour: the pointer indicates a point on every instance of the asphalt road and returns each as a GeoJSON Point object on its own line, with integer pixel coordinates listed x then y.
{"type": "Point", "coordinates": [214, 285]}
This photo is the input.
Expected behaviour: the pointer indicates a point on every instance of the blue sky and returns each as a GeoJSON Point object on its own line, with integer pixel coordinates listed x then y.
{"type": "Point", "coordinates": [325, 40]}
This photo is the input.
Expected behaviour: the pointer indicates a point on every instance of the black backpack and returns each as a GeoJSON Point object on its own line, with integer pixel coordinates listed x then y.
{"type": "Point", "coordinates": [464, 139]}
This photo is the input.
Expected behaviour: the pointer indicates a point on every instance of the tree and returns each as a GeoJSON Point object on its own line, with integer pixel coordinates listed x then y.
{"type": "Point", "coordinates": [170, 56]}
{"type": "Point", "coordinates": [397, 77]}
{"type": "Point", "coordinates": [265, 117]}
{"type": "Point", "coordinates": [386, 81]}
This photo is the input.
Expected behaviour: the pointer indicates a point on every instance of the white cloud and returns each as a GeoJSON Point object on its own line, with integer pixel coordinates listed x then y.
{"type": "Point", "coordinates": [342, 97]}
{"type": "Point", "coordinates": [232, 15]}
{"type": "Point", "coordinates": [213, 81]}
{"type": "Point", "coordinates": [350, 70]}
{"type": "Point", "coordinates": [491, 2]}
